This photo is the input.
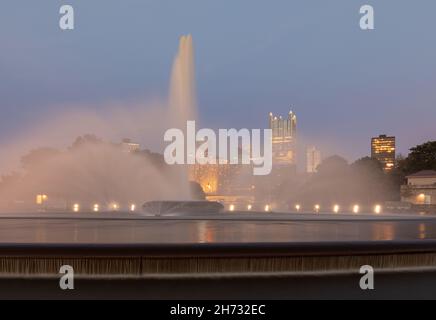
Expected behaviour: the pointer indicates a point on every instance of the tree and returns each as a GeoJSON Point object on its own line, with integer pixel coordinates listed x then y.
{"type": "Point", "coordinates": [334, 165]}
{"type": "Point", "coordinates": [368, 165]}
{"type": "Point", "coordinates": [329, 184]}
{"type": "Point", "coordinates": [38, 156]}
{"type": "Point", "coordinates": [370, 182]}
{"type": "Point", "coordinates": [421, 157]}
{"type": "Point", "coordinates": [86, 139]}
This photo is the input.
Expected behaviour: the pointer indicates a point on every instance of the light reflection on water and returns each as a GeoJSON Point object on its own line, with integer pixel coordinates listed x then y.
{"type": "Point", "coordinates": [205, 232]}
{"type": "Point", "coordinates": [422, 231]}
{"type": "Point", "coordinates": [210, 231]}
{"type": "Point", "coordinates": [383, 232]}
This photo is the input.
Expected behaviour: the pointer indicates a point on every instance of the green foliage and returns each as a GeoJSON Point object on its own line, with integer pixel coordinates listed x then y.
{"type": "Point", "coordinates": [421, 157]}
{"type": "Point", "coordinates": [364, 182]}
{"type": "Point", "coordinates": [37, 157]}
{"type": "Point", "coordinates": [92, 170]}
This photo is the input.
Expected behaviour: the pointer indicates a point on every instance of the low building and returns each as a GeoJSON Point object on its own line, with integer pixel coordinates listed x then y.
{"type": "Point", "coordinates": [129, 146]}
{"type": "Point", "coordinates": [420, 188]}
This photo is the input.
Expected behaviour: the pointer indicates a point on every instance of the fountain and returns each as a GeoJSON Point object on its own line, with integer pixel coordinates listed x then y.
{"type": "Point", "coordinates": [182, 98]}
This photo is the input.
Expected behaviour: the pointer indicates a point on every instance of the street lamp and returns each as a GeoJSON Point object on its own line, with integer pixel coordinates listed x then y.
{"type": "Point", "coordinates": [356, 208]}
{"type": "Point", "coordinates": [377, 209]}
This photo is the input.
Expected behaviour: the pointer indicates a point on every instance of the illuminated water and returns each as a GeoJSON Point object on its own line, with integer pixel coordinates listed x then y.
{"type": "Point", "coordinates": [274, 228]}
{"type": "Point", "coordinates": [182, 99]}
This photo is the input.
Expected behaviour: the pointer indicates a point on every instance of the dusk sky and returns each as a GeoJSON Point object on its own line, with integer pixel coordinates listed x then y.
{"type": "Point", "coordinates": [252, 57]}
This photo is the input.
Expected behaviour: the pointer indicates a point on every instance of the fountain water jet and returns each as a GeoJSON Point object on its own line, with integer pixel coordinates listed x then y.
{"type": "Point", "coordinates": [182, 98]}
{"type": "Point", "coordinates": [182, 95]}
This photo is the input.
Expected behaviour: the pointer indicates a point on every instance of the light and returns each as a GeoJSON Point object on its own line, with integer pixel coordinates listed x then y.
{"type": "Point", "coordinates": [41, 198]}
{"type": "Point", "coordinates": [114, 206]}
{"type": "Point", "coordinates": [232, 207]}
{"type": "Point", "coordinates": [267, 208]}
{"type": "Point", "coordinates": [298, 207]}
{"type": "Point", "coordinates": [317, 208]}
{"type": "Point", "coordinates": [249, 207]}
{"type": "Point", "coordinates": [76, 207]}
{"type": "Point", "coordinates": [421, 198]}
{"type": "Point", "coordinates": [96, 208]}
{"type": "Point", "coordinates": [132, 207]}
{"type": "Point", "coordinates": [356, 208]}
{"type": "Point", "coordinates": [38, 199]}
{"type": "Point", "coordinates": [336, 208]}
{"type": "Point", "coordinates": [377, 209]}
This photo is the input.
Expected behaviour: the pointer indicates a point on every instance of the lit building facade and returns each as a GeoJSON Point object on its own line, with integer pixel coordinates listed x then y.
{"type": "Point", "coordinates": [420, 188]}
{"type": "Point", "coordinates": [313, 159]}
{"type": "Point", "coordinates": [383, 149]}
{"type": "Point", "coordinates": [284, 157]}
{"type": "Point", "coordinates": [222, 179]}
{"type": "Point", "coordinates": [284, 135]}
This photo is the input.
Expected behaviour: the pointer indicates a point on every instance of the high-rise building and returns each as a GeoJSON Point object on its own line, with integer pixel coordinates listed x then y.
{"type": "Point", "coordinates": [313, 159]}
{"type": "Point", "coordinates": [383, 149]}
{"type": "Point", "coordinates": [284, 159]}
{"type": "Point", "coordinates": [284, 134]}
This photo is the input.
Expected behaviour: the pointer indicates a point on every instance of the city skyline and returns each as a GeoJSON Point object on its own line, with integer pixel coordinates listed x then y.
{"type": "Point", "coordinates": [336, 93]}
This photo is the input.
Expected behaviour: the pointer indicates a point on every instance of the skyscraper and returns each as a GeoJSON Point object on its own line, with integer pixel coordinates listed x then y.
{"type": "Point", "coordinates": [383, 149]}
{"type": "Point", "coordinates": [313, 159]}
{"type": "Point", "coordinates": [284, 134]}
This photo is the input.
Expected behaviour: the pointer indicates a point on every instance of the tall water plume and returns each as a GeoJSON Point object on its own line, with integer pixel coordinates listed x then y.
{"type": "Point", "coordinates": [182, 99]}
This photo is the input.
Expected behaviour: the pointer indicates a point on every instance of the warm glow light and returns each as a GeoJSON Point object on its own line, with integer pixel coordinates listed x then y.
{"type": "Point", "coordinates": [76, 207]}
{"type": "Point", "coordinates": [267, 208]}
{"type": "Point", "coordinates": [356, 209]}
{"type": "Point", "coordinates": [377, 209]}
{"type": "Point", "coordinates": [132, 207]}
{"type": "Point", "coordinates": [421, 198]}
{"type": "Point", "coordinates": [249, 207]}
{"type": "Point", "coordinates": [317, 207]}
{"type": "Point", "coordinates": [298, 207]}
{"type": "Point", "coordinates": [96, 208]}
{"type": "Point", "coordinates": [232, 207]}
{"type": "Point", "coordinates": [336, 208]}
{"type": "Point", "coordinates": [41, 198]}
{"type": "Point", "coordinates": [114, 206]}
